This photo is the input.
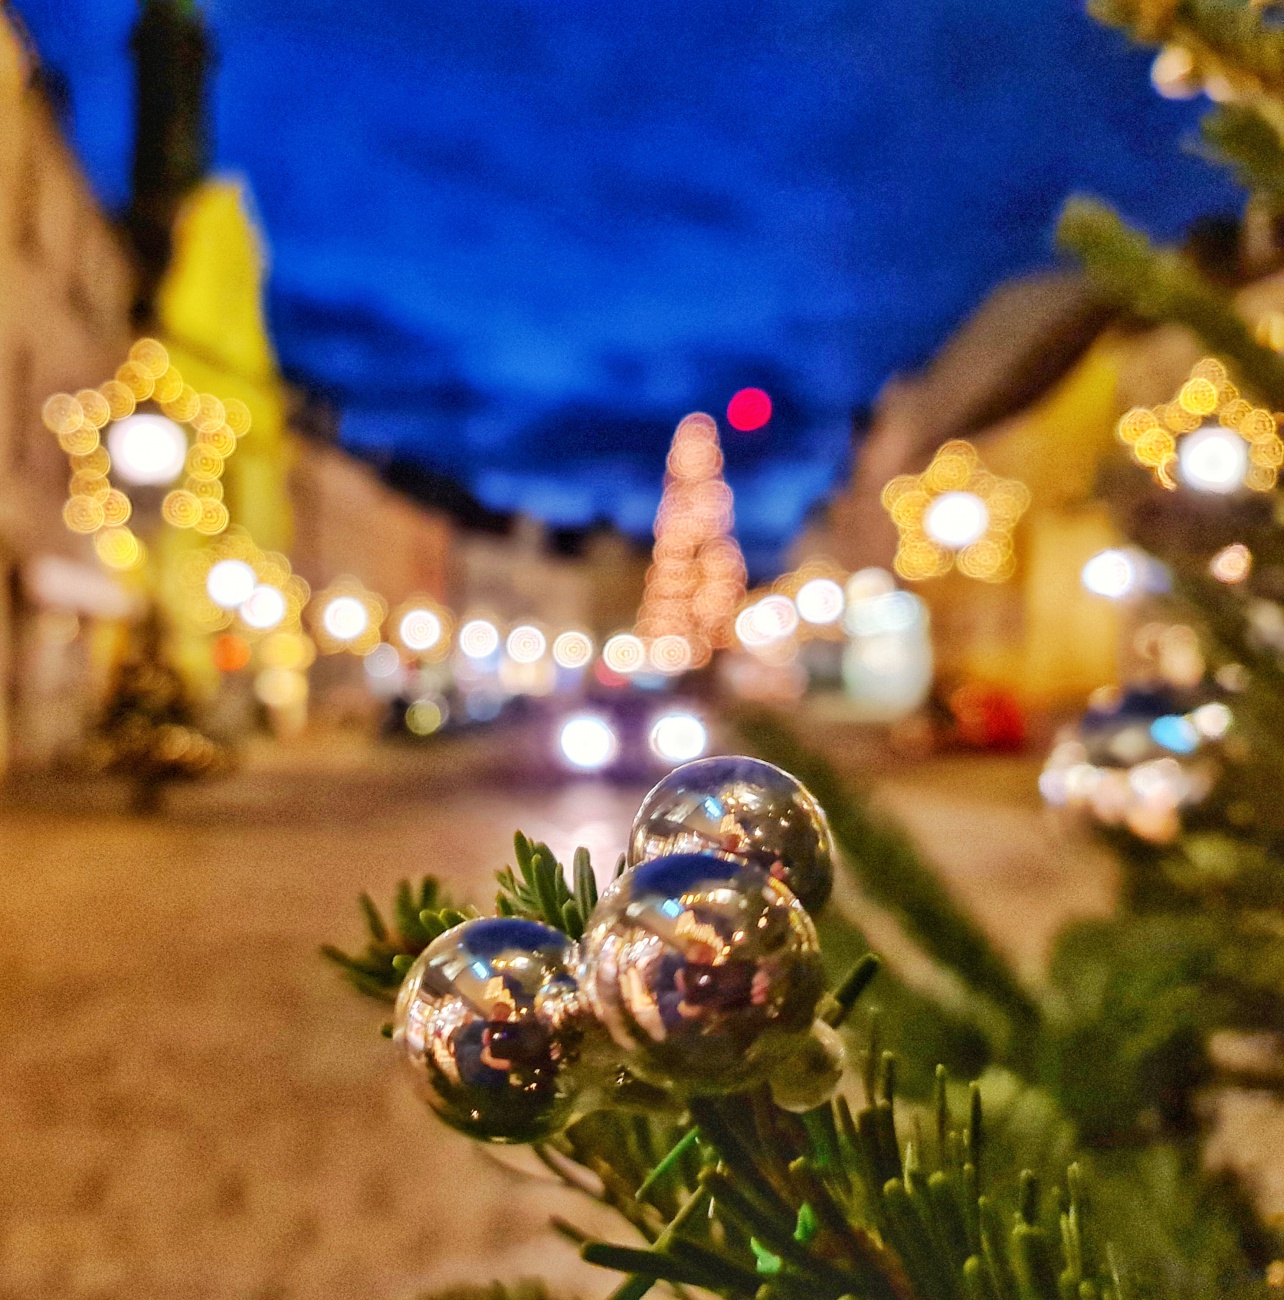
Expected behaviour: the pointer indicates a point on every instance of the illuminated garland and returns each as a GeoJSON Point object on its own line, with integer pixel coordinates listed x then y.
{"type": "Point", "coordinates": [94, 505]}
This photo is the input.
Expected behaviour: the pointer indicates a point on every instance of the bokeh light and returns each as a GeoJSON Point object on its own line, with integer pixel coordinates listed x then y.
{"type": "Point", "coordinates": [525, 644]}
{"type": "Point", "coordinates": [345, 618]}
{"type": "Point", "coordinates": [382, 661]}
{"type": "Point", "coordinates": [147, 450]}
{"type": "Point", "coordinates": [230, 583]}
{"type": "Point", "coordinates": [1232, 563]}
{"type": "Point", "coordinates": [264, 608]}
{"type": "Point", "coordinates": [478, 638]}
{"type": "Point", "coordinates": [678, 737]}
{"type": "Point", "coordinates": [1111, 574]}
{"type": "Point", "coordinates": [572, 649]}
{"type": "Point", "coordinates": [1213, 460]}
{"type": "Point", "coordinates": [420, 629]}
{"type": "Point", "coordinates": [588, 742]}
{"type": "Point", "coordinates": [425, 716]}
{"type": "Point", "coordinates": [624, 653]}
{"type": "Point", "coordinates": [820, 600]}
{"type": "Point", "coordinates": [749, 409]}
{"type": "Point", "coordinates": [956, 519]}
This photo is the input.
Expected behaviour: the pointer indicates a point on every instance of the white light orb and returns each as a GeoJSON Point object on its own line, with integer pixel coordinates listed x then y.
{"type": "Point", "coordinates": [956, 519]}
{"type": "Point", "coordinates": [588, 742]}
{"type": "Point", "coordinates": [345, 618]}
{"type": "Point", "coordinates": [868, 584]}
{"type": "Point", "coordinates": [147, 450]}
{"type": "Point", "coordinates": [382, 661]}
{"type": "Point", "coordinates": [770, 619]}
{"type": "Point", "coordinates": [230, 583]}
{"type": "Point", "coordinates": [420, 629]}
{"type": "Point", "coordinates": [1111, 574]}
{"type": "Point", "coordinates": [678, 737]}
{"type": "Point", "coordinates": [624, 654]}
{"type": "Point", "coordinates": [264, 608]}
{"type": "Point", "coordinates": [1213, 459]}
{"type": "Point", "coordinates": [820, 601]}
{"type": "Point", "coordinates": [525, 644]}
{"type": "Point", "coordinates": [478, 638]}
{"type": "Point", "coordinates": [572, 649]}
{"type": "Point", "coordinates": [1212, 720]}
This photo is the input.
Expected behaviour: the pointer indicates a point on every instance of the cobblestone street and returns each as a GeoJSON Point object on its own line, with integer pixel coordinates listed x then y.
{"type": "Point", "coordinates": [192, 1104]}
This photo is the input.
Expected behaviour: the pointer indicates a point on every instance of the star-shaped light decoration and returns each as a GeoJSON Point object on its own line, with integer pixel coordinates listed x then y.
{"type": "Point", "coordinates": [1208, 437]}
{"type": "Point", "coordinates": [144, 448]}
{"type": "Point", "coordinates": [955, 514]}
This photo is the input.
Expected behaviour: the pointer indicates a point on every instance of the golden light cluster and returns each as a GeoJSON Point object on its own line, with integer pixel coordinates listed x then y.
{"type": "Point", "coordinates": [347, 616]}
{"type": "Point", "coordinates": [696, 581]}
{"type": "Point", "coordinates": [270, 600]}
{"type": "Point", "coordinates": [955, 514]}
{"type": "Point", "coordinates": [1206, 400]}
{"type": "Point", "coordinates": [94, 505]}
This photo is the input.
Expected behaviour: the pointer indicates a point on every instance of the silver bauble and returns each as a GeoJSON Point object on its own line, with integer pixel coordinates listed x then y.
{"type": "Point", "coordinates": [490, 1021]}
{"type": "Point", "coordinates": [704, 971]}
{"type": "Point", "coordinates": [745, 810]}
{"type": "Point", "coordinates": [809, 1077]}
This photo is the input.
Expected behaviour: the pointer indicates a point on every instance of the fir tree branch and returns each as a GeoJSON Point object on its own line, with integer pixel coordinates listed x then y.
{"type": "Point", "coordinates": [1159, 285]}
{"type": "Point", "coordinates": [892, 873]}
{"type": "Point", "coordinates": [1240, 139]}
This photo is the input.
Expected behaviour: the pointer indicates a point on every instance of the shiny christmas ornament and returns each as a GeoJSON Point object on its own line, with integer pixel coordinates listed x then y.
{"type": "Point", "coordinates": [744, 810]}
{"type": "Point", "coordinates": [704, 970]}
{"type": "Point", "coordinates": [488, 1018]}
{"type": "Point", "coordinates": [808, 1077]}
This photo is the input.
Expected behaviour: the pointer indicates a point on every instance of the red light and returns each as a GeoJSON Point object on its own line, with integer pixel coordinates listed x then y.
{"type": "Point", "coordinates": [749, 409]}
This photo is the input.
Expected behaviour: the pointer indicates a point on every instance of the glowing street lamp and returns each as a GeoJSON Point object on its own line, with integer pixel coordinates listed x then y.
{"type": "Point", "coordinates": [678, 737]}
{"type": "Point", "coordinates": [345, 618]}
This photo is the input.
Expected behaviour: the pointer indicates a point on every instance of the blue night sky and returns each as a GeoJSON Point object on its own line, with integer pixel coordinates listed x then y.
{"type": "Point", "coordinates": [517, 240]}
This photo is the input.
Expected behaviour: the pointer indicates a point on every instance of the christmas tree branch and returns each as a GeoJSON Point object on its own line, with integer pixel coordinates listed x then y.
{"type": "Point", "coordinates": [1243, 141]}
{"type": "Point", "coordinates": [1159, 285]}
{"type": "Point", "coordinates": [1225, 38]}
{"type": "Point", "coordinates": [893, 874]}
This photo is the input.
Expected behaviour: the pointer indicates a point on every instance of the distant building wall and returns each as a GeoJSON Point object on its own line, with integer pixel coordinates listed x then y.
{"type": "Point", "coordinates": [66, 286]}
{"type": "Point", "coordinates": [347, 522]}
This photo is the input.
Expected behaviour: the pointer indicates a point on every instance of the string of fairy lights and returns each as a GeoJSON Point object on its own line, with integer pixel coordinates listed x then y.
{"type": "Point", "coordinates": [147, 430]}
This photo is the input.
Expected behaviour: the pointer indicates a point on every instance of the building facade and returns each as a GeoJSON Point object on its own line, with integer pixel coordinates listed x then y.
{"type": "Point", "coordinates": [66, 289]}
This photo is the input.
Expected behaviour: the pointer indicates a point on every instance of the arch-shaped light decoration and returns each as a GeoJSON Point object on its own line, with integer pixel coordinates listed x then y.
{"type": "Point", "coordinates": [347, 616]}
{"type": "Point", "coordinates": [1207, 402]}
{"type": "Point", "coordinates": [79, 421]}
{"type": "Point", "coordinates": [955, 514]}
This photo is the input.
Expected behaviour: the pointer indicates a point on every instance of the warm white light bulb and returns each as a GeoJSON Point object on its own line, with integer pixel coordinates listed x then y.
{"type": "Point", "coordinates": [345, 618]}
{"type": "Point", "coordinates": [265, 607]}
{"type": "Point", "coordinates": [572, 649]}
{"type": "Point", "coordinates": [525, 644]}
{"type": "Point", "coordinates": [1213, 459]}
{"type": "Point", "coordinates": [420, 629]}
{"type": "Point", "coordinates": [956, 519]}
{"type": "Point", "coordinates": [478, 638]}
{"type": "Point", "coordinates": [230, 583]}
{"type": "Point", "coordinates": [820, 601]}
{"type": "Point", "coordinates": [147, 450]}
